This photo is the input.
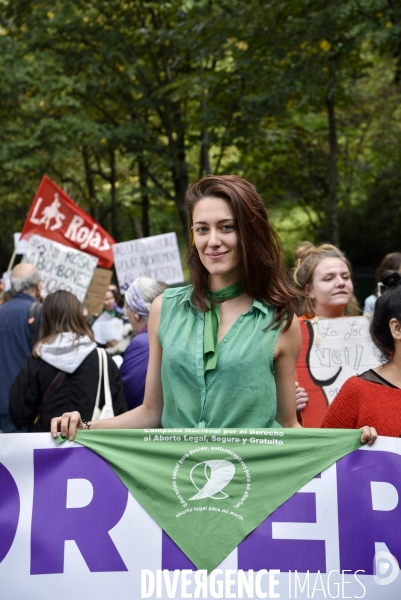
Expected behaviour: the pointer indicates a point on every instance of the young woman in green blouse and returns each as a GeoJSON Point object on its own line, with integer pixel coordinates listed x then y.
{"type": "Point", "coordinates": [223, 351]}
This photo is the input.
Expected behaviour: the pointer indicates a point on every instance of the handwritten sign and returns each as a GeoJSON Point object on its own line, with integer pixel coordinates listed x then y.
{"type": "Point", "coordinates": [157, 257]}
{"type": "Point", "coordinates": [60, 267]}
{"type": "Point", "coordinates": [97, 290]}
{"type": "Point", "coordinates": [332, 351]}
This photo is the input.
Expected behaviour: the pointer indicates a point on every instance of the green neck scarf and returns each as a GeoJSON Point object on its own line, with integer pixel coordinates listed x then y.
{"type": "Point", "coordinates": [212, 322]}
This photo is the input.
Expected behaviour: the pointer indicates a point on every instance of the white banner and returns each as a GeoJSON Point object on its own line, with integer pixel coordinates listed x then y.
{"type": "Point", "coordinates": [157, 257]}
{"type": "Point", "coordinates": [61, 268]}
{"type": "Point", "coordinates": [70, 529]}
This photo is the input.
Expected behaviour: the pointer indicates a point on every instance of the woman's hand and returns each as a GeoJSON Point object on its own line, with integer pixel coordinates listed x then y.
{"type": "Point", "coordinates": [67, 425]}
{"type": "Point", "coordinates": [369, 435]}
{"type": "Point", "coordinates": [301, 396]}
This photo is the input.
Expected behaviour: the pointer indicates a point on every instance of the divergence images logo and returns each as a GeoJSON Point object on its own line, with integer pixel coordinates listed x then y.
{"type": "Point", "coordinates": [385, 568]}
{"type": "Point", "coordinates": [217, 474]}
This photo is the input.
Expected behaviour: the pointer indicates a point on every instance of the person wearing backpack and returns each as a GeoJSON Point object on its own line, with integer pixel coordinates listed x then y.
{"type": "Point", "coordinates": [65, 371]}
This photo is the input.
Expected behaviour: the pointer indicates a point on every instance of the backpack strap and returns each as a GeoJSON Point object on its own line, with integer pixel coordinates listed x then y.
{"type": "Point", "coordinates": [34, 320]}
{"type": "Point", "coordinates": [54, 384]}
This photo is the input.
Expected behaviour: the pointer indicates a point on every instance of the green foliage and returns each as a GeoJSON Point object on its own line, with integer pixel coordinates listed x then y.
{"type": "Point", "coordinates": [125, 103]}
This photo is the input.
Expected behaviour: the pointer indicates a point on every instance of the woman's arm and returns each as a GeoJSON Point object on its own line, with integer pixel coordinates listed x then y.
{"type": "Point", "coordinates": [148, 415]}
{"type": "Point", "coordinates": [286, 354]}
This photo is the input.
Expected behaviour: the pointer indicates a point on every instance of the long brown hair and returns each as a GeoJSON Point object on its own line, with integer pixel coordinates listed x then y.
{"type": "Point", "coordinates": [391, 262]}
{"type": "Point", "coordinates": [62, 312]}
{"type": "Point", "coordinates": [263, 274]}
{"type": "Point", "coordinates": [307, 257]}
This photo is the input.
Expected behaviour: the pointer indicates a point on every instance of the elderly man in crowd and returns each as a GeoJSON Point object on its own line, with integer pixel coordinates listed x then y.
{"type": "Point", "coordinates": [17, 332]}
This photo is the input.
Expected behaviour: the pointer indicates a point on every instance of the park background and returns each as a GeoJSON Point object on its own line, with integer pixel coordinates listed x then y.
{"type": "Point", "coordinates": [124, 103]}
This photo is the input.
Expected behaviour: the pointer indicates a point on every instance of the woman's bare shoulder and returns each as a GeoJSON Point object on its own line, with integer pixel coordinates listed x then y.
{"type": "Point", "coordinates": [289, 340]}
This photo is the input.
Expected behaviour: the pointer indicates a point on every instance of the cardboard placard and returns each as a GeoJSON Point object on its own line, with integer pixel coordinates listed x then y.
{"type": "Point", "coordinates": [97, 290]}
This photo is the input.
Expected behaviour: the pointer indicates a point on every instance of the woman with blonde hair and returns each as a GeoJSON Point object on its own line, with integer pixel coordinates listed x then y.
{"type": "Point", "coordinates": [323, 275]}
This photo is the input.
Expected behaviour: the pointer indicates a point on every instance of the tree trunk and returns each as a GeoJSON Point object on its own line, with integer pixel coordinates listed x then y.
{"type": "Point", "coordinates": [143, 180]}
{"type": "Point", "coordinates": [204, 162]}
{"type": "Point", "coordinates": [180, 180]}
{"type": "Point", "coordinates": [90, 184]}
{"type": "Point", "coordinates": [179, 168]}
{"type": "Point", "coordinates": [332, 204]}
{"type": "Point", "coordinates": [175, 130]}
{"type": "Point", "coordinates": [114, 206]}
{"type": "Point", "coordinates": [204, 166]}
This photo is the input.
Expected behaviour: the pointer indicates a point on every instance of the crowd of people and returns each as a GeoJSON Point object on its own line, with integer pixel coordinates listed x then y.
{"type": "Point", "coordinates": [220, 352]}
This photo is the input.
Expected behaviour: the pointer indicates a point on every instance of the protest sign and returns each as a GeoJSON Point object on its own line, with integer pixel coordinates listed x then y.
{"type": "Point", "coordinates": [157, 257]}
{"type": "Point", "coordinates": [19, 245]}
{"type": "Point", "coordinates": [97, 290]}
{"type": "Point", "coordinates": [60, 268]}
{"type": "Point", "coordinates": [106, 328]}
{"type": "Point", "coordinates": [332, 351]}
{"type": "Point", "coordinates": [55, 216]}
{"type": "Point", "coordinates": [337, 536]}
{"type": "Point", "coordinates": [6, 277]}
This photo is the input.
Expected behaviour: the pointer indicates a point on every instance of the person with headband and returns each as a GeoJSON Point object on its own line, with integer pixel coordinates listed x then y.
{"type": "Point", "coordinates": [138, 299]}
{"type": "Point", "coordinates": [375, 396]}
{"type": "Point", "coordinates": [223, 350]}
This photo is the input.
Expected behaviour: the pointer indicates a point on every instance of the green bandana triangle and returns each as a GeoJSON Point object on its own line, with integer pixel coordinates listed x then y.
{"type": "Point", "coordinates": [209, 493]}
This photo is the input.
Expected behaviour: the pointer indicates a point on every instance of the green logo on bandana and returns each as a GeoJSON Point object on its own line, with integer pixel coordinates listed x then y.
{"type": "Point", "coordinates": [221, 485]}
{"type": "Point", "coordinates": [216, 474]}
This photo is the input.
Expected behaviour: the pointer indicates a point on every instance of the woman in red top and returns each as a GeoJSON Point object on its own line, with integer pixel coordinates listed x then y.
{"type": "Point", "coordinates": [323, 276]}
{"type": "Point", "coordinates": [375, 396]}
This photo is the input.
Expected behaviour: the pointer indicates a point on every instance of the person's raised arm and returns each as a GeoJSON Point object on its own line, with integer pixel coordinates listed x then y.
{"type": "Point", "coordinates": [148, 415]}
{"type": "Point", "coordinates": [286, 354]}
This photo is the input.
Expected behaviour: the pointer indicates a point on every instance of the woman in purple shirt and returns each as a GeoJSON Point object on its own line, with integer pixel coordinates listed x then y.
{"type": "Point", "coordinates": [138, 299]}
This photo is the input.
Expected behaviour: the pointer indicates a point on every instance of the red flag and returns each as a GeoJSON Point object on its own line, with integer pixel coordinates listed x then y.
{"type": "Point", "coordinates": [54, 215]}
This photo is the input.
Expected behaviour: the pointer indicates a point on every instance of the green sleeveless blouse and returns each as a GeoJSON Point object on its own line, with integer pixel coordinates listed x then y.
{"type": "Point", "coordinates": [240, 391]}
